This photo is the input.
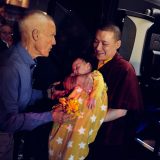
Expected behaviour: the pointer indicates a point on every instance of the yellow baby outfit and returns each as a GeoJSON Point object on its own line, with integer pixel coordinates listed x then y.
{"type": "Point", "coordinates": [70, 140]}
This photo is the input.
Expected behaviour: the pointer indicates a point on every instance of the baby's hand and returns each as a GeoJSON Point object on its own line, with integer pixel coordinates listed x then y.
{"type": "Point", "coordinates": [91, 103]}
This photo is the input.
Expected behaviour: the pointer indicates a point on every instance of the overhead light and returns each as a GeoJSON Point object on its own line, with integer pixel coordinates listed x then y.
{"type": "Point", "coordinates": [20, 3]}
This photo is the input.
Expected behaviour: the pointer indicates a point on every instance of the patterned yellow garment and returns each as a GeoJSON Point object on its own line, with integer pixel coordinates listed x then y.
{"type": "Point", "coordinates": [69, 141]}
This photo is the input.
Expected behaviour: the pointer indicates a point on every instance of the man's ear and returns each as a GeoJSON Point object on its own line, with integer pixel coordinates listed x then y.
{"type": "Point", "coordinates": [35, 34]}
{"type": "Point", "coordinates": [118, 44]}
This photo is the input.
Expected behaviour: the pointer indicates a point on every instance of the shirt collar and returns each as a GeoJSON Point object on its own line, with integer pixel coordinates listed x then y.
{"type": "Point", "coordinates": [101, 64]}
{"type": "Point", "coordinates": [25, 55]}
{"type": "Point", "coordinates": [106, 61]}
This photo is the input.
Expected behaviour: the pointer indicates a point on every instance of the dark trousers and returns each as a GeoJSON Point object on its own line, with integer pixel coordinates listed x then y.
{"type": "Point", "coordinates": [6, 146]}
{"type": "Point", "coordinates": [32, 144]}
{"type": "Point", "coordinates": [101, 152]}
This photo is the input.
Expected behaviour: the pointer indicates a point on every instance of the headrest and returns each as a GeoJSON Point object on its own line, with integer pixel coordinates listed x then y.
{"type": "Point", "coordinates": [154, 12]}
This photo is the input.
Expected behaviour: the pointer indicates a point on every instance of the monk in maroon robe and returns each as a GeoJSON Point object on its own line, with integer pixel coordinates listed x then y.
{"type": "Point", "coordinates": [117, 133]}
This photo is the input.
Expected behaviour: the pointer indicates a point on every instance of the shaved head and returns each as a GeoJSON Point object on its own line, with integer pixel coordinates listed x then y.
{"type": "Point", "coordinates": [33, 20]}
{"type": "Point", "coordinates": [31, 27]}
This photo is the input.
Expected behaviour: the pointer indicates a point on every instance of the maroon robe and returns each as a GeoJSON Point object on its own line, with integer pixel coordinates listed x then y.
{"type": "Point", "coordinates": [123, 93]}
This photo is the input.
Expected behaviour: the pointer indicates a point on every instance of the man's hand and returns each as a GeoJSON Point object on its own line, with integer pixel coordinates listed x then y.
{"type": "Point", "coordinates": [58, 94]}
{"type": "Point", "coordinates": [54, 93]}
{"type": "Point", "coordinates": [59, 116]}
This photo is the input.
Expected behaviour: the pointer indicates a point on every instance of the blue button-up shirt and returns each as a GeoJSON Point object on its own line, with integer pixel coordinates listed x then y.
{"type": "Point", "coordinates": [16, 92]}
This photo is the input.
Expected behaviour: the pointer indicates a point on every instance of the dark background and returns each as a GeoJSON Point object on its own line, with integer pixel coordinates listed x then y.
{"type": "Point", "coordinates": [76, 21]}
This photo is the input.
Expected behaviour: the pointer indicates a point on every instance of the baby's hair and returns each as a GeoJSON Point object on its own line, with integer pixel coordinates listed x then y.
{"type": "Point", "coordinates": [88, 59]}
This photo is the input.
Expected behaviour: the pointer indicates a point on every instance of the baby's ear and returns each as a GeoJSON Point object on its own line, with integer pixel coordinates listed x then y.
{"type": "Point", "coordinates": [72, 74]}
{"type": "Point", "coordinates": [89, 65]}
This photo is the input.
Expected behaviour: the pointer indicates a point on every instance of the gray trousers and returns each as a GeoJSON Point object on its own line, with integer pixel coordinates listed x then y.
{"type": "Point", "coordinates": [6, 146]}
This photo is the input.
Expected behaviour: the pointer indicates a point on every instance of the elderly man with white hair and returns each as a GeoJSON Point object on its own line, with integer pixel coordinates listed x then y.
{"type": "Point", "coordinates": [38, 32]}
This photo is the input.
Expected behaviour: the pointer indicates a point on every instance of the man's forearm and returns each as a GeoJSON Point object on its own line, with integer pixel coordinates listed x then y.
{"type": "Point", "coordinates": [114, 114]}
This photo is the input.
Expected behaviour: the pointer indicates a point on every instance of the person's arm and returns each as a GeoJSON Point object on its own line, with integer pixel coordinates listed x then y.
{"type": "Point", "coordinates": [127, 97]}
{"type": "Point", "coordinates": [59, 116]}
{"type": "Point", "coordinates": [93, 84]}
{"type": "Point", "coordinates": [85, 82]}
{"type": "Point", "coordinates": [98, 87]}
{"type": "Point", "coordinates": [12, 115]}
{"type": "Point", "coordinates": [114, 114]}
{"type": "Point", "coordinates": [53, 93]}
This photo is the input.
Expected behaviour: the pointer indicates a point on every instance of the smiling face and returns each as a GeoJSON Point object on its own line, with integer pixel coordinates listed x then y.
{"type": "Point", "coordinates": [80, 67]}
{"type": "Point", "coordinates": [105, 45]}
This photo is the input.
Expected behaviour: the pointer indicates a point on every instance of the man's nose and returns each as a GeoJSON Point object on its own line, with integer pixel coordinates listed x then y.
{"type": "Point", "coordinates": [53, 41]}
{"type": "Point", "coordinates": [99, 46]}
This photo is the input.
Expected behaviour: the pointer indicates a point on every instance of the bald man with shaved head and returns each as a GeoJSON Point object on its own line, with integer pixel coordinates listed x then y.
{"type": "Point", "coordinates": [37, 31]}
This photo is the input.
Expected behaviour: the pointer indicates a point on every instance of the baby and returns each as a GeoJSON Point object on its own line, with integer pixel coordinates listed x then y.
{"type": "Point", "coordinates": [70, 140]}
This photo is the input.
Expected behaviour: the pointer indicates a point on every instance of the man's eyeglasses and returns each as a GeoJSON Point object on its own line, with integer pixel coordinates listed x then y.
{"type": "Point", "coordinates": [7, 33]}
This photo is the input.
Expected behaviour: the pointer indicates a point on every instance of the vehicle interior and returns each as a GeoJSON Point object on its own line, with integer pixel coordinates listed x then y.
{"type": "Point", "coordinates": [76, 21]}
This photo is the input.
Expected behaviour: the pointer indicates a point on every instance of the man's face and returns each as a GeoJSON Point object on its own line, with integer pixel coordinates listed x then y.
{"type": "Point", "coordinates": [105, 45]}
{"type": "Point", "coordinates": [2, 12]}
{"type": "Point", "coordinates": [46, 39]}
{"type": "Point", "coordinates": [6, 34]}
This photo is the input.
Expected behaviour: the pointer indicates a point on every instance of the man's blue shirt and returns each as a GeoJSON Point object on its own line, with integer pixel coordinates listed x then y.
{"type": "Point", "coordinates": [16, 67]}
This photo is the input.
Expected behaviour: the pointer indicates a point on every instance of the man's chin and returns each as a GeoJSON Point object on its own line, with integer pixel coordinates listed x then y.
{"type": "Point", "coordinates": [45, 54]}
{"type": "Point", "coordinates": [100, 57]}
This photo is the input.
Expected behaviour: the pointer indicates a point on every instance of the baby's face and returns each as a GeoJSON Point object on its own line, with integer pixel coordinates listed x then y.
{"type": "Point", "coordinates": [79, 67]}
